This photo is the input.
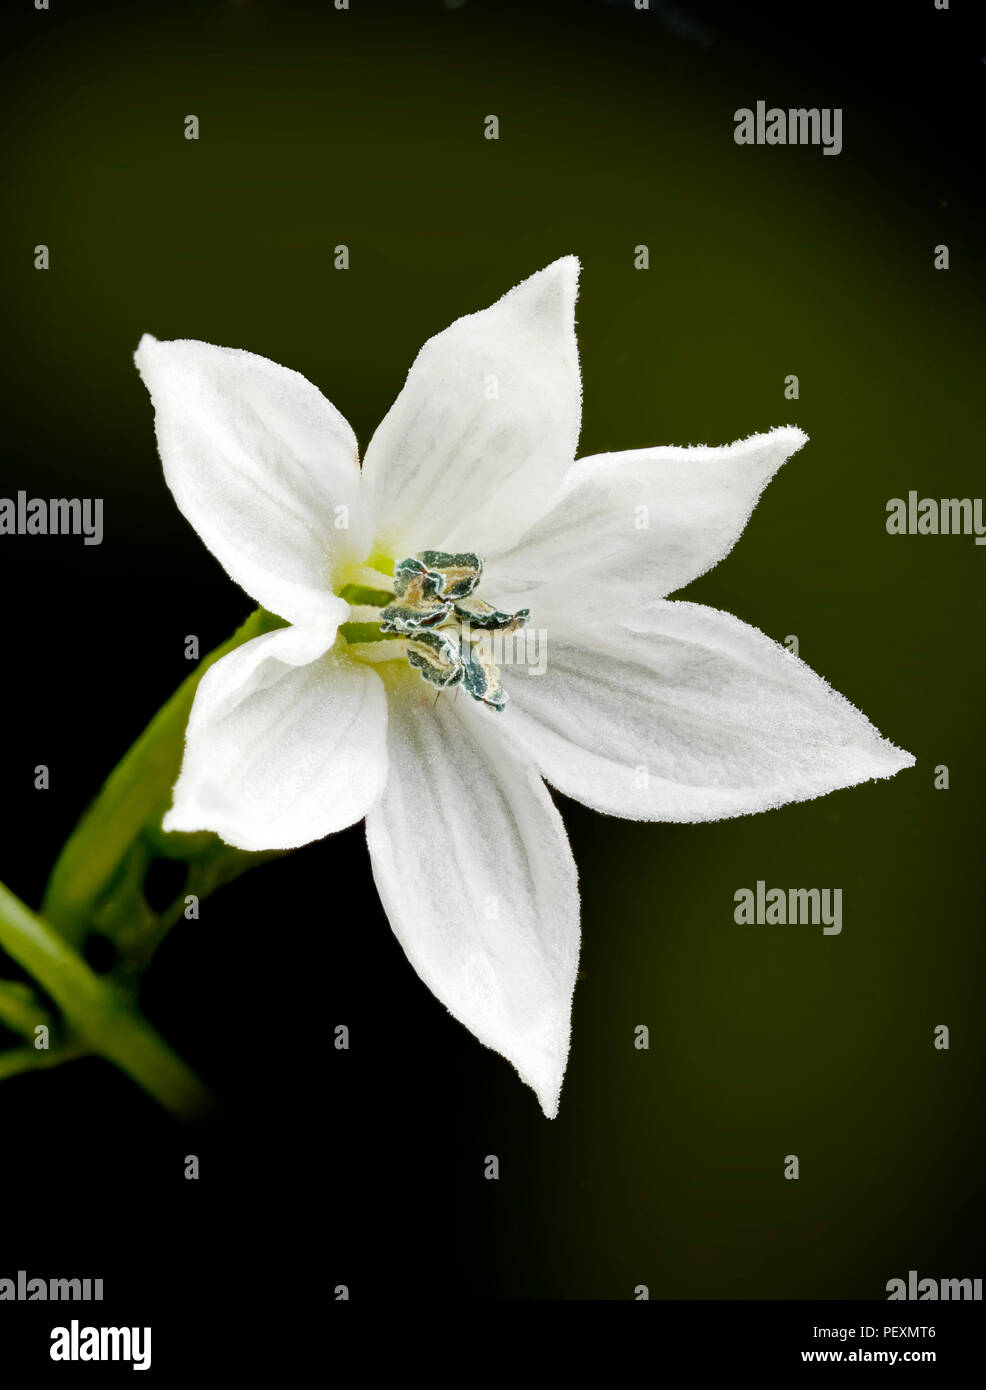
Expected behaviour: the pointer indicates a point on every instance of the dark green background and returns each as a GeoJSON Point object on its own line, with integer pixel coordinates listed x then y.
{"type": "Point", "coordinates": [665, 1167]}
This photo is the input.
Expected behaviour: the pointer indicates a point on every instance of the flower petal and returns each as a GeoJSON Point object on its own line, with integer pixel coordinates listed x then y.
{"type": "Point", "coordinates": [260, 463]}
{"type": "Point", "coordinates": [474, 870]}
{"type": "Point", "coordinates": [694, 717]}
{"type": "Point", "coordinates": [633, 527]}
{"type": "Point", "coordinates": [285, 743]}
{"type": "Point", "coordinates": [477, 443]}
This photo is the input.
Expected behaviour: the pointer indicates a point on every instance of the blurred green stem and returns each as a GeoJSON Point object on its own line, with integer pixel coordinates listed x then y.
{"type": "Point", "coordinates": [98, 879]}
{"type": "Point", "coordinates": [98, 1012]}
{"type": "Point", "coordinates": [17, 1060]}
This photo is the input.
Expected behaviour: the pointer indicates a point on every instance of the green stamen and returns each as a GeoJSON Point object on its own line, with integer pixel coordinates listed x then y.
{"type": "Point", "coordinates": [370, 598]}
{"type": "Point", "coordinates": [365, 632]}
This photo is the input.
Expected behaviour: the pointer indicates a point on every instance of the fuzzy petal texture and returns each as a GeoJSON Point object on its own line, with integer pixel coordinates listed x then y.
{"type": "Point", "coordinates": [636, 526]}
{"type": "Point", "coordinates": [695, 716]}
{"type": "Point", "coordinates": [286, 743]}
{"type": "Point", "coordinates": [261, 465]}
{"type": "Point", "coordinates": [477, 444]}
{"type": "Point", "coordinates": [475, 873]}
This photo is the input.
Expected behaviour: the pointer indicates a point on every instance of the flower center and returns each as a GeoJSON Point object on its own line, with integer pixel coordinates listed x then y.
{"type": "Point", "coordinates": [443, 627]}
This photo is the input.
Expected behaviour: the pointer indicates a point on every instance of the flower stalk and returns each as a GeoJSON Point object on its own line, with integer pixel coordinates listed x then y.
{"type": "Point", "coordinates": [97, 1012]}
{"type": "Point", "coordinates": [98, 885]}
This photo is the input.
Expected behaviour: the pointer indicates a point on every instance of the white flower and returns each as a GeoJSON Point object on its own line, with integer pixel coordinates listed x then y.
{"type": "Point", "coordinates": [649, 709]}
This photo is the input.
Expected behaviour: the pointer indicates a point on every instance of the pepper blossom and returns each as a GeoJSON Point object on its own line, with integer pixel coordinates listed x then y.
{"type": "Point", "coordinates": [411, 589]}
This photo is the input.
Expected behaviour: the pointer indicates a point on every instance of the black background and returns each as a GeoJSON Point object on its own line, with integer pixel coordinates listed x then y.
{"type": "Point", "coordinates": [316, 1172]}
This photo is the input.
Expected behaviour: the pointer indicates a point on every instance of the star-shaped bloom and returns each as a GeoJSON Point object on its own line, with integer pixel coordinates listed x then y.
{"type": "Point", "coordinates": [469, 616]}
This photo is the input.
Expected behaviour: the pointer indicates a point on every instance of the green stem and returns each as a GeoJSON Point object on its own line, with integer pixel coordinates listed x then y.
{"type": "Point", "coordinates": [17, 1060]}
{"type": "Point", "coordinates": [98, 1011]}
{"type": "Point", "coordinates": [21, 1011]}
{"type": "Point", "coordinates": [97, 879]}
